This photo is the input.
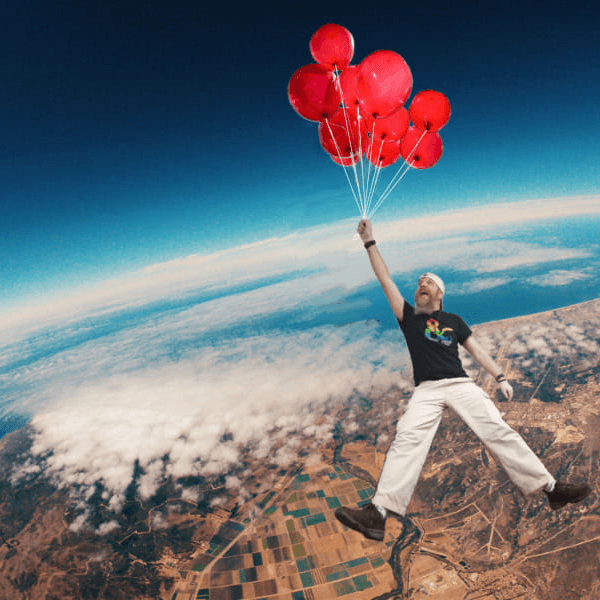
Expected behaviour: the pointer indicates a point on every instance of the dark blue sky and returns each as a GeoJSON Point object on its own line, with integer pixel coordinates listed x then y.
{"type": "Point", "coordinates": [136, 132]}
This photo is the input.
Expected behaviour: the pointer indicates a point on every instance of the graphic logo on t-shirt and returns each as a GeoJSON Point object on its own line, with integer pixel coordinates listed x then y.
{"type": "Point", "coordinates": [435, 334]}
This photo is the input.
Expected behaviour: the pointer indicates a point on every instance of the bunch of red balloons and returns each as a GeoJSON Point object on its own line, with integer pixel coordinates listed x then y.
{"type": "Point", "coordinates": [361, 108]}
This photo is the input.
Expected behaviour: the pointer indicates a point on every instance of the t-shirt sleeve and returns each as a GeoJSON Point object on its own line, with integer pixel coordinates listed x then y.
{"type": "Point", "coordinates": [463, 331]}
{"type": "Point", "coordinates": [408, 310]}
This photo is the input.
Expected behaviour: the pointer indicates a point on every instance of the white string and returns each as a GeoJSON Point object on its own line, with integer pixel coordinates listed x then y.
{"type": "Point", "coordinates": [397, 177]}
{"type": "Point", "coordinates": [353, 153]}
{"type": "Point", "coordinates": [370, 165]}
{"type": "Point", "coordinates": [362, 207]}
{"type": "Point", "coordinates": [374, 209]}
{"type": "Point", "coordinates": [390, 188]}
{"type": "Point", "coordinates": [356, 153]}
{"type": "Point", "coordinates": [377, 173]}
{"type": "Point", "coordinates": [358, 204]}
{"type": "Point", "coordinates": [361, 161]}
{"type": "Point", "coordinates": [393, 183]}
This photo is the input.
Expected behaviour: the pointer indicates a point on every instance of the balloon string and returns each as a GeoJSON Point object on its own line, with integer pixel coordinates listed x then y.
{"type": "Point", "coordinates": [355, 153]}
{"type": "Point", "coordinates": [377, 173]}
{"type": "Point", "coordinates": [348, 133]}
{"type": "Point", "coordinates": [389, 189]}
{"type": "Point", "coordinates": [362, 166]}
{"type": "Point", "coordinates": [370, 165]}
{"type": "Point", "coordinates": [397, 177]}
{"type": "Point", "coordinates": [358, 203]}
{"type": "Point", "coordinates": [355, 159]}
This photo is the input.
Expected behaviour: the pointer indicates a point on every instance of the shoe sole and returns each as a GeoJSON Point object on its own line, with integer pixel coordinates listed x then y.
{"type": "Point", "coordinates": [368, 532]}
{"type": "Point", "coordinates": [557, 505]}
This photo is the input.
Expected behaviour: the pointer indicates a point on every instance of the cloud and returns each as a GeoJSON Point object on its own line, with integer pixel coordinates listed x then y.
{"type": "Point", "coordinates": [548, 341]}
{"type": "Point", "coordinates": [553, 278]}
{"type": "Point", "coordinates": [204, 413]}
{"type": "Point", "coordinates": [493, 257]}
{"type": "Point", "coordinates": [559, 277]}
{"type": "Point", "coordinates": [480, 285]}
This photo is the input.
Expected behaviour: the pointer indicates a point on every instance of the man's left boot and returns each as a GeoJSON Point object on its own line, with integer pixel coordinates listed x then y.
{"type": "Point", "coordinates": [567, 493]}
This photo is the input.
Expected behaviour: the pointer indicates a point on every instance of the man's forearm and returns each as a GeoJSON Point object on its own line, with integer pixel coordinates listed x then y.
{"type": "Point", "coordinates": [390, 289]}
{"type": "Point", "coordinates": [490, 365]}
{"type": "Point", "coordinates": [378, 264]}
{"type": "Point", "coordinates": [482, 357]}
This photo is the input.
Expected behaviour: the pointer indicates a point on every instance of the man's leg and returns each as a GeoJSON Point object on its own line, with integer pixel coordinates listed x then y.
{"type": "Point", "coordinates": [478, 411]}
{"type": "Point", "coordinates": [403, 464]}
{"type": "Point", "coordinates": [404, 460]}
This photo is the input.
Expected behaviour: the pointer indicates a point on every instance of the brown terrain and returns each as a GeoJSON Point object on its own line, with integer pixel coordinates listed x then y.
{"type": "Point", "coordinates": [469, 534]}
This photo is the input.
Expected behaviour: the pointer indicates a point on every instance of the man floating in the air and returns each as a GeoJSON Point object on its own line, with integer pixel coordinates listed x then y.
{"type": "Point", "coordinates": [432, 337]}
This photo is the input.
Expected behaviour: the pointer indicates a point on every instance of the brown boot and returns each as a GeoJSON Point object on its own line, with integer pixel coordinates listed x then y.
{"type": "Point", "coordinates": [366, 520]}
{"type": "Point", "coordinates": [567, 493]}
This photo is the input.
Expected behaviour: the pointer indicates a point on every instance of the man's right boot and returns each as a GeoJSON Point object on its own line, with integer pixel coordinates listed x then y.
{"type": "Point", "coordinates": [366, 520]}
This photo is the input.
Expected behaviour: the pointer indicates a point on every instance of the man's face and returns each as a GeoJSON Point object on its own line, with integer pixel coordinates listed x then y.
{"type": "Point", "coordinates": [428, 294]}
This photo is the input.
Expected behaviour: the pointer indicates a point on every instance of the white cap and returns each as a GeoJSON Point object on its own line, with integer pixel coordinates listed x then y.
{"type": "Point", "coordinates": [436, 279]}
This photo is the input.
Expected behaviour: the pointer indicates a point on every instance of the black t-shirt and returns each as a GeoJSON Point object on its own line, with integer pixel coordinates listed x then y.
{"type": "Point", "coordinates": [432, 342]}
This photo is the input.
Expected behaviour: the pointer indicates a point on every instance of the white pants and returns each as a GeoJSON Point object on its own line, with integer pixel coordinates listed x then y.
{"type": "Point", "coordinates": [417, 427]}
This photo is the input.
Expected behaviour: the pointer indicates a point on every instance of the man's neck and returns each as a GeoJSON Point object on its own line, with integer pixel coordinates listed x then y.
{"type": "Point", "coordinates": [426, 310]}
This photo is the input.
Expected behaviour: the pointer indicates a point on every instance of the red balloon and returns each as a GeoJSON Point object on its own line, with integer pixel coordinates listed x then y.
{"type": "Point", "coordinates": [312, 92]}
{"type": "Point", "coordinates": [430, 110]}
{"type": "Point", "coordinates": [382, 153]}
{"type": "Point", "coordinates": [390, 128]}
{"type": "Point", "coordinates": [347, 83]}
{"type": "Point", "coordinates": [332, 45]}
{"type": "Point", "coordinates": [343, 136]}
{"type": "Point", "coordinates": [424, 153]}
{"type": "Point", "coordinates": [384, 83]}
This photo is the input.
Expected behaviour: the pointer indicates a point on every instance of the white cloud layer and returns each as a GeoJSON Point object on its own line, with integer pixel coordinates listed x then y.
{"type": "Point", "coordinates": [201, 413]}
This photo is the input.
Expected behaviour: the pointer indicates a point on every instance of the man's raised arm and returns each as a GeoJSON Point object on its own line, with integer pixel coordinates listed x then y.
{"type": "Point", "coordinates": [392, 293]}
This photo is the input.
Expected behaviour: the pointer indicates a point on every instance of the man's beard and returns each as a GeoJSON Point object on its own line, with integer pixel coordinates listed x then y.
{"type": "Point", "coordinates": [425, 303]}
